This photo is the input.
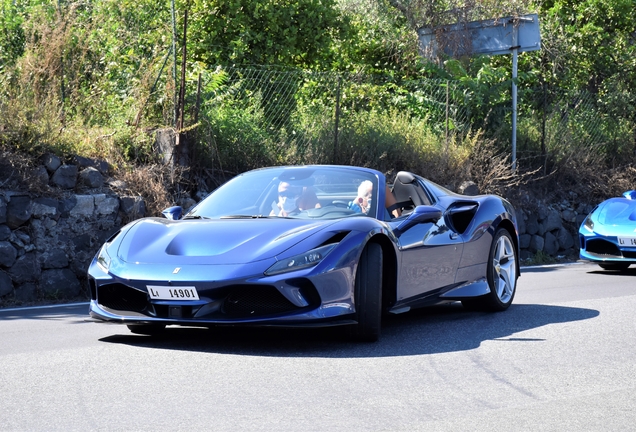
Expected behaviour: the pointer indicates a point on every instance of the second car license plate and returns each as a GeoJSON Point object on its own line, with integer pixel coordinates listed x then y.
{"type": "Point", "coordinates": [627, 241]}
{"type": "Point", "coordinates": [173, 293]}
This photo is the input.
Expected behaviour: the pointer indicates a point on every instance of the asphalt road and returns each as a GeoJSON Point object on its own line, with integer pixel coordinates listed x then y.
{"type": "Point", "coordinates": [562, 358]}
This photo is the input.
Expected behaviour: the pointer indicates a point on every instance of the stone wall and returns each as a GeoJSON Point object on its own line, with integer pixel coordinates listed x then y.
{"type": "Point", "coordinates": [551, 229]}
{"type": "Point", "coordinates": [47, 243]}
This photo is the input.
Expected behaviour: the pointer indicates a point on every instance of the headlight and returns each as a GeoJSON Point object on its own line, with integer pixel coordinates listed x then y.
{"type": "Point", "coordinates": [588, 224]}
{"type": "Point", "coordinates": [103, 259]}
{"type": "Point", "coordinates": [307, 259]}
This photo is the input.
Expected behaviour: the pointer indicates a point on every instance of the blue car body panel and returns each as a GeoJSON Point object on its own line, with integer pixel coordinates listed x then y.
{"type": "Point", "coordinates": [233, 260]}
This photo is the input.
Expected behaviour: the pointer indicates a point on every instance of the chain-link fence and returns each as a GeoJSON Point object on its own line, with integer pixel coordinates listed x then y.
{"type": "Point", "coordinates": [313, 117]}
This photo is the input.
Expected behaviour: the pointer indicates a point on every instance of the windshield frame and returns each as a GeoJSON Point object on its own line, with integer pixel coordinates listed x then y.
{"type": "Point", "coordinates": [256, 194]}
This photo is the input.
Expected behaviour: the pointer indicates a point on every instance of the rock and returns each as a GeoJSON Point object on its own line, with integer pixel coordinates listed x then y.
{"type": "Point", "coordinates": [40, 175]}
{"type": "Point", "coordinates": [536, 244]}
{"type": "Point", "coordinates": [54, 259]}
{"type": "Point", "coordinates": [552, 221]}
{"type": "Point", "coordinates": [84, 206]}
{"type": "Point", "coordinates": [568, 215]}
{"type": "Point", "coordinates": [565, 239]}
{"type": "Point", "coordinates": [521, 221]}
{"type": "Point", "coordinates": [524, 241]}
{"type": "Point", "coordinates": [42, 207]}
{"type": "Point", "coordinates": [91, 177]}
{"type": "Point", "coordinates": [51, 162]}
{"type": "Point", "coordinates": [59, 283]}
{"type": "Point", "coordinates": [18, 210]}
{"type": "Point", "coordinates": [25, 269]}
{"type": "Point", "coordinates": [5, 232]}
{"type": "Point", "coordinates": [551, 244]}
{"type": "Point", "coordinates": [3, 210]}
{"type": "Point", "coordinates": [6, 286]}
{"type": "Point", "coordinates": [133, 206]}
{"type": "Point", "coordinates": [106, 205]}
{"type": "Point", "coordinates": [532, 224]}
{"type": "Point", "coordinates": [26, 292]}
{"type": "Point", "coordinates": [65, 177]}
{"type": "Point", "coordinates": [8, 254]}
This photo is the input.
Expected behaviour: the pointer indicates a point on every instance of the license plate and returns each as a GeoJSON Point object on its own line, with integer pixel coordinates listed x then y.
{"type": "Point", "coordinates": [173, 293]}
{"type": "Point", "coordinates": [627, 241]}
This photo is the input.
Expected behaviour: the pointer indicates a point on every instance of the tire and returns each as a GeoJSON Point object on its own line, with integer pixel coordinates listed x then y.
{"type": "Point", "coordinates": [368, 295]}
{"type": "Point", "coordinates": [614, 266]}
{"type": "Point", "coordinates": [501, 274]}
{"type": "Point", "coordinates": [146, 329]}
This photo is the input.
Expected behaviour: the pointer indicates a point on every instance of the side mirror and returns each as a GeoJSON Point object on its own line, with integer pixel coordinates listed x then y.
{"type": "Point", "coordinates": [421, 214]}
{"type": "Point", "coordinates": [630, 194]}
{"type": "Point", "coordinates": [173, 213]}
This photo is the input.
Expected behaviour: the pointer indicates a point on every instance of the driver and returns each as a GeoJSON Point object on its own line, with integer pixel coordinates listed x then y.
{"type": "Point", "coordinates": [292, 199]}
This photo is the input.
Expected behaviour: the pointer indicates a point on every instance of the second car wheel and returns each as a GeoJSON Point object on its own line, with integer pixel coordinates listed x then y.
{"type": "Point", "coordinates": [368, 295]}
{"type": "Point", "coordinates": [502, 275]}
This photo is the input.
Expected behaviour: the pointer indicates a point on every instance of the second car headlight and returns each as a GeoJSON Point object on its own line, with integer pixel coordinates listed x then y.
{"type": "Point", "coordinates": [103, 259]}
{"type": "Point", "coordinates": [297, 262]}
{"type": "Point", "coordinates": [589, 224]}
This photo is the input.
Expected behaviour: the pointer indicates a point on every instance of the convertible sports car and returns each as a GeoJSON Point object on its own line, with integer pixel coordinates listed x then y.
{"type": "Point", "coordinates": [608, 233]}
{"type": "Point", "coordinates": [308, 246]}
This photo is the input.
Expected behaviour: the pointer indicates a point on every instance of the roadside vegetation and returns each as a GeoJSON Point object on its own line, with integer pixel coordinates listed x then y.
{"type": "Point", "coordinates": [265, 82]}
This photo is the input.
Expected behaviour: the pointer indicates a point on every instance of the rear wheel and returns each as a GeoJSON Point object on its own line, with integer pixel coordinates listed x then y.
{"type": "Point", "coordinates": [146, 329]}
{"type": "Point", "coordinates": [614, 266]}
{"type": "Point", "coordinates": [368, 295]}
{"type": "Point", "coordinates": [501, 275]}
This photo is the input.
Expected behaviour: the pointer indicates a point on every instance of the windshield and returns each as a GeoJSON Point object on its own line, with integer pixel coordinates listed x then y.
{"type": "Point", "coordinates": [293, 192]}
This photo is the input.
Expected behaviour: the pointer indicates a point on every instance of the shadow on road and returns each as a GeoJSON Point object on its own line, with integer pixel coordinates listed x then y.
{"type": "Point", "coordinates": [440, 329]}
{"type": "Point", "coordinates": [628, 272]}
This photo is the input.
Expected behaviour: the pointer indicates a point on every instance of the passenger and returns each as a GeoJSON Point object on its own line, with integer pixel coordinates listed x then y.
{"type": "Point", "coordinates": [390, 203]}
{"type": "Point", "coordinates": [362, 203]}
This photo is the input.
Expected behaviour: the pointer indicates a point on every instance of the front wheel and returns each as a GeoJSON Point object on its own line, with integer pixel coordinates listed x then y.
{"type": "Point", "coordinates": [368, 295]}
{"type": "Point", "coordinates": [501, 275]}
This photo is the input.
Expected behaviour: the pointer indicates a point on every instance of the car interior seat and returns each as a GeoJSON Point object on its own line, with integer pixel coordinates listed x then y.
{"type": "Point", "coordinates": [408, 192]}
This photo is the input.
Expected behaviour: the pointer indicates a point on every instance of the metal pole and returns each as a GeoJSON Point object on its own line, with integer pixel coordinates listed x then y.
{"type": "Point", "coordinates": [515, 53]}
{"type": "Point", "coordinates": [335, 138]}
{"type": "Point", "coordinates": [174, 63]}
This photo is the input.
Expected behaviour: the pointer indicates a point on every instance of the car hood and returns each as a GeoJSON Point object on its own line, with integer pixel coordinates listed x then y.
{"type": "Point", "coordinates": [619, 212]}
{"type": "Point", "coordinates": [201, 241]}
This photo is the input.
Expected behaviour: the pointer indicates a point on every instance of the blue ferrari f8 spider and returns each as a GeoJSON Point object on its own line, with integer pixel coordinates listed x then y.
{"type": "Point", "coordinates": [608, 233]}
{"type": "Point", "coordinates": [308, 246]}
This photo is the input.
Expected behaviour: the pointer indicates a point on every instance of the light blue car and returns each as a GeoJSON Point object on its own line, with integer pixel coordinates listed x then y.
{"type": "Point", "coordinates": [608, 233]}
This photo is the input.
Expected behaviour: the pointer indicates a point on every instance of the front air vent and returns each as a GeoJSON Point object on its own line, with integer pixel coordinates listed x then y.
{"type": "Point", "coordinates": [122, 298]}
{"type": "Point", "coordinates": [247, 301]}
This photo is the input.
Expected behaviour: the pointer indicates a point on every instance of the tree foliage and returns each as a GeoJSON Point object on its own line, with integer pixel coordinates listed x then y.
{"type": "Point", "coordinates": [297, 33]}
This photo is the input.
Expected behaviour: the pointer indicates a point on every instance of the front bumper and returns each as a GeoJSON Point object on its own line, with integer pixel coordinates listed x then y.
{"type": "Point", "coordinates": [605, 249]}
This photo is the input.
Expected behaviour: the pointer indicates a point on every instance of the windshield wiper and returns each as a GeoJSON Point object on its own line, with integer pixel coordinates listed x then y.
{"type": "Point", "coordinates": [195, 217]}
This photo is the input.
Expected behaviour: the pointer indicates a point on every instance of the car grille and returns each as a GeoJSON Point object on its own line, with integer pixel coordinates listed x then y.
{"type": "Point", "coordinates": [629, 254]}
{"type": "Point", "coordinates": [602, 247]}
{"type": "Point", "coordinates": [120, 297]}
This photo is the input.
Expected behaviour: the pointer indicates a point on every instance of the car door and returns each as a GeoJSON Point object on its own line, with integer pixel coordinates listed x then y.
{"type": "Point", "coordinates": [430, 254]}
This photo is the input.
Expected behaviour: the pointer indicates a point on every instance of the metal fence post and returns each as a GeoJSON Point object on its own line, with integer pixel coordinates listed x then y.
{"type": "Point", "coordinates": [335, 139]}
